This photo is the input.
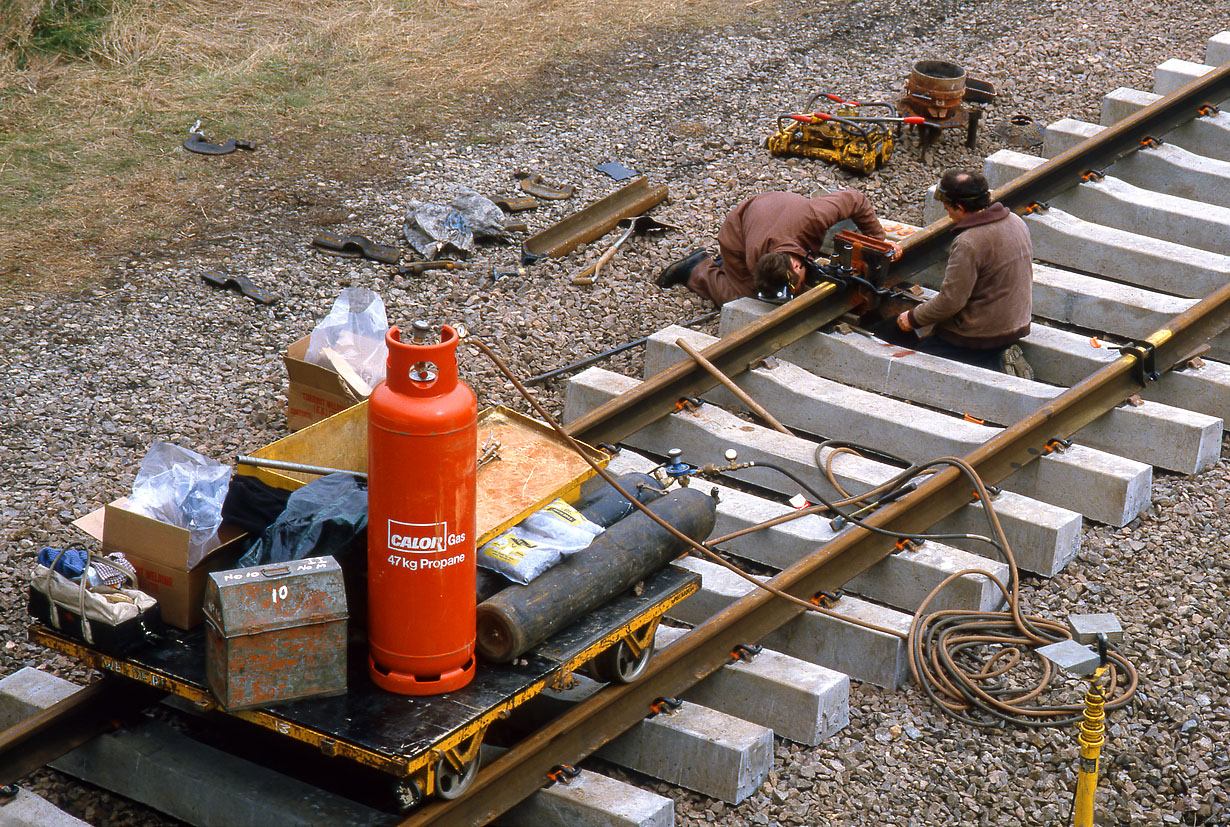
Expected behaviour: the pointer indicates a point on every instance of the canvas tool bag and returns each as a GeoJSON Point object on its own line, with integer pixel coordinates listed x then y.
{"type": "Point", "coordinates": [108, 618]}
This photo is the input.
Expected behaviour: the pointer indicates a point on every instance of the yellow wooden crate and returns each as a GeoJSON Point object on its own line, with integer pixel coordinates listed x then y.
{"type": "Point", "coordinates": [535, 464]}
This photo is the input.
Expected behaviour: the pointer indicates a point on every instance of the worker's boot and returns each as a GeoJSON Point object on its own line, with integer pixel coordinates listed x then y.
{"type": "Point", "coordinates": [679, 272]}
{"type": "Point", "coordinates": [1012, 362]}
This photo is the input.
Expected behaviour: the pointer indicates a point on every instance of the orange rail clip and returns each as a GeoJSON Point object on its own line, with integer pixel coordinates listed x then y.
{"type": "Point", "coordinates": [662, 705]}
{"type": "Point", "coordinates": [1053, 446]}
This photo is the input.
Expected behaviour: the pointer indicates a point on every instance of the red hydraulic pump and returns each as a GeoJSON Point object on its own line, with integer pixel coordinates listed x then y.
{"type": "Point", "coordinates": [422, 463]}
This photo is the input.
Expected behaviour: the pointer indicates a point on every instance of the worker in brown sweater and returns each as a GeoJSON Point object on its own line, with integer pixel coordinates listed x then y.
{"type": "Point", "coordinates": [763, 244]}
{"type": "Point", "coordinates": [984, 306]}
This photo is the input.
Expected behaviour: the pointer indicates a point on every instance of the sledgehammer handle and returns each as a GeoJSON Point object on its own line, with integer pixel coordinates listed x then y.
{"type": "Point", "coordinates": [589, 273]}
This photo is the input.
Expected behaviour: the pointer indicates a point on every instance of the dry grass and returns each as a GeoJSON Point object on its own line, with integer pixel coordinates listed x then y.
{"type": "Point", "coordinates": [90, 157]}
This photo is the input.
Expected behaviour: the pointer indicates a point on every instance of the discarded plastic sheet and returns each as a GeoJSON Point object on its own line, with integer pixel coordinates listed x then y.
{"type": "Point", "coordinates": [354, 329]}
{"type": "Point", "coordinates": [182, 488]}
{"type": "Point", "coordinates": [431, 229]}
{"type": "Point", "coordinates": [593, 221]}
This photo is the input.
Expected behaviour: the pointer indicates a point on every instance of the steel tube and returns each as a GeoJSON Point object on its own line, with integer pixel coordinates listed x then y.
{"type": "Point", "coordinates": [520, 617]}
{"type": "Point", "coordinates": [286, 465]}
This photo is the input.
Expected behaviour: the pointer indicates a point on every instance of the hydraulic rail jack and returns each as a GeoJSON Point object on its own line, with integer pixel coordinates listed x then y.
{"type": "Point", "coordinates": [845, 137]}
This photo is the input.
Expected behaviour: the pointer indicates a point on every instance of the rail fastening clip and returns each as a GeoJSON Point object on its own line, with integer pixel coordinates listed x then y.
{"type": "Point", "coordinates": [1146, 361]}
{"type": "Point", "coordinates": [563, 773]}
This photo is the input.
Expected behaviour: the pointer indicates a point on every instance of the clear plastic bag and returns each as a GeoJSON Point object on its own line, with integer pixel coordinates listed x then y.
{"type": "Point", "coordinates": [183, 488]}
{"type": "Point", "coordinates": [354, 329]}
{"type": "Point", "coordinates": [538, 542]}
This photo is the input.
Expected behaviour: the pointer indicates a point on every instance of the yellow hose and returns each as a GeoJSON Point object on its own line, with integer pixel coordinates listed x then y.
{"type": "Point", "coordinates": [1093, 735]}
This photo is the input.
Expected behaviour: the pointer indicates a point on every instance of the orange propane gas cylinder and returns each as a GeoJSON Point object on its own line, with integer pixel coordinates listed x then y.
{"type": "Point", "coordinates": [422, 461]}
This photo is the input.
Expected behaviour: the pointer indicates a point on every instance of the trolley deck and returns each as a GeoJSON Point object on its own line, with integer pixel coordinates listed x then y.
{"type": "Point", "coordinates": [430, 741]}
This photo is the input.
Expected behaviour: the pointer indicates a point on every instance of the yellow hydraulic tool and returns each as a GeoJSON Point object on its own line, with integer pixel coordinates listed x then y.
{"type": "Point", "coordinates": [1093, 735]}
{"type": "Point", "coordinates": [843, 137]}
{"type": "Point", "coordinates": [833, 139]}
{"type": "Point", "coordinates": [1073, 657]}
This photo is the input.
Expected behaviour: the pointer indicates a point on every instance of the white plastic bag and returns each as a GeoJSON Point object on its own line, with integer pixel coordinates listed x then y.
{"type": "Point", "coordinates": [354, 329]}
{"type": "Point", "coordinates": [183, 488]}
{"type": "Point", "coordinates": [539, 542]}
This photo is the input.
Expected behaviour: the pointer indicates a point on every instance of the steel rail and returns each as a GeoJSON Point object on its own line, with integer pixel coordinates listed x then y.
{"type": "Point", "coordinates": [656, 396]}
{"type": "Point", "coordinates": [523, 769]}
{"type": "Point", "coordinates": [69, 723]}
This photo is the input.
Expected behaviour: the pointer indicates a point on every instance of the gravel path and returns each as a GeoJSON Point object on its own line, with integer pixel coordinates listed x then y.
{"type": "Point", "coordinates": [151, 353]}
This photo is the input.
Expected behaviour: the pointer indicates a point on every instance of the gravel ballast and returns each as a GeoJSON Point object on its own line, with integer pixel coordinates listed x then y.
{"type": "Point", "coordinates": [152, 353]}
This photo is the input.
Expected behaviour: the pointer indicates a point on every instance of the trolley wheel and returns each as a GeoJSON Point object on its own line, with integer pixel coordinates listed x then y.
{"type": "Point", "coordinates": [619, 665]}
{"type": "Point", "coordinates": [451, 783]}
{"type": "Point", "coordinates": [408, 795]}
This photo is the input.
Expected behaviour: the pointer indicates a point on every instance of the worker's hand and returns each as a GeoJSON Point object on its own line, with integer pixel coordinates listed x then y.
{"type": "Point", "coordinates": [903, 322]}
{"type": "Point", "coordinates": [895, 255]}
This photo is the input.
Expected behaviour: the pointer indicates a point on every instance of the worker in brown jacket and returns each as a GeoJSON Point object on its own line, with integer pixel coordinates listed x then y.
{"type": "Point", "coordinates": [764, 241]}
{"type": "Point", "coordinates": [984, 306]}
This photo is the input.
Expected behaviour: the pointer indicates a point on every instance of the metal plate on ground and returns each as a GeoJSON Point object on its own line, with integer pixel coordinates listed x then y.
{"type": "Point", "coordinates": [594, 221]}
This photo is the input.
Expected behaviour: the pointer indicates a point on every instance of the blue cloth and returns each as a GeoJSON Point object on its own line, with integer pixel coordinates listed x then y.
{"type": "Point", "coordinates": [71, 563]}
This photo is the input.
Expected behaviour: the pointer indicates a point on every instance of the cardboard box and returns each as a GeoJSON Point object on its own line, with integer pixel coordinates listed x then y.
{"type": "Point", "coordinates": [313, 392]}
{"type": "Point", "coordinates": [159, 553]}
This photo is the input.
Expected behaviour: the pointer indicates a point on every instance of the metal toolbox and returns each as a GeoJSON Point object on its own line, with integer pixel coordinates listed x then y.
{"type": "Point", "coordinates": [275, 633]}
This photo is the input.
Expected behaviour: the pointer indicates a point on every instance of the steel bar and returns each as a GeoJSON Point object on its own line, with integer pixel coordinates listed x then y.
{"type": "Point", "coordinates": [606, 354]}
{"type": "Point", "coordinates": [726, 382]}
{"type": "Point", "coordinates": [523, 769]}
{"type": "Point", "coordinates": [67, 724]}
{"type": "Point", "coordinates": [287, 465]}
